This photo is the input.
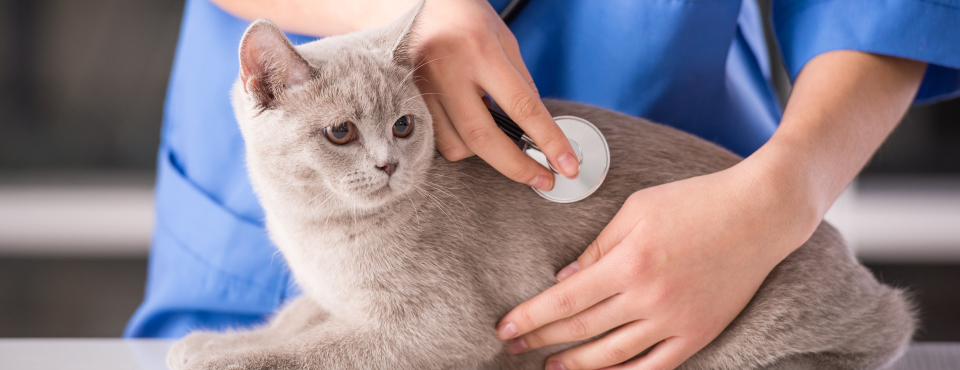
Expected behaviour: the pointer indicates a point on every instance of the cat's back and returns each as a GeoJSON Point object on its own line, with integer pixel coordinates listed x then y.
{"type": "Point", "coordinates": [643, 153]}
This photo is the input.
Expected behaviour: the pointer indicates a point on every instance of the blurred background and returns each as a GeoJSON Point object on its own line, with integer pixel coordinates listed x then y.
{"type": "Point", "coordinates": [82, 85]}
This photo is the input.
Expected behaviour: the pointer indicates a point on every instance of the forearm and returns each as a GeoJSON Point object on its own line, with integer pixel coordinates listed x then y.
{"type": "Point", "coordinates": [320, 17]}
{"type": "Point", "coordinates": [842, 107]}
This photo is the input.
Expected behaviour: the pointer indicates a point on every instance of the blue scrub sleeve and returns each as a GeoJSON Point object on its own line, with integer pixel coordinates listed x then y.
{"type": "Point", "coordinates": [924, 30]}
{"type": "Point", "coordinates": [209, 269]}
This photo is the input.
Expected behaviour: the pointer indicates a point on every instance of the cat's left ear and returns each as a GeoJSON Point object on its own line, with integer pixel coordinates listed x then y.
{"type": "Point", "coordinates": [402, 33]}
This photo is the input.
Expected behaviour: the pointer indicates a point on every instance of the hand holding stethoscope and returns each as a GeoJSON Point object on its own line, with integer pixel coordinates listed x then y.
{"type": "Point", "coordinates": [468, 52]}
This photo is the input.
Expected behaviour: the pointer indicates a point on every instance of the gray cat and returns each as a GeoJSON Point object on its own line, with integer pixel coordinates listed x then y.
{"type": "Point", "coordinates": [407, 261]}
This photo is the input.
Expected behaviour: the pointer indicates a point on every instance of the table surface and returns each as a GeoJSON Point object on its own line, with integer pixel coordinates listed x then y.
{"type": "Point", "coordinates": [149, 354]}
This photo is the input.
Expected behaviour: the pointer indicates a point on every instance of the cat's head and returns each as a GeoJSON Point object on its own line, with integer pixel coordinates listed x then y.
{"type": "Point", "coordinates": [338, 120]}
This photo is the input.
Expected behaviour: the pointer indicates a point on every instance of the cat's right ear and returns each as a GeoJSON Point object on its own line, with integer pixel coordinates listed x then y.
{"type": "Point", "coordinates": [269, 65]}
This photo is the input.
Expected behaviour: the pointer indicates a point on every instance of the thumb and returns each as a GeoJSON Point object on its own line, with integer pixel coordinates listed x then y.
{"type": "Point", "coordinates": [616, 230]}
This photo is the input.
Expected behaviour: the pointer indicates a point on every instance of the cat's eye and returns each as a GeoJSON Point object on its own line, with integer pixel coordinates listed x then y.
{"type": "Point", "coordinates": [342, 133]}
{"type": "Point", "coordinates": [403, 126]}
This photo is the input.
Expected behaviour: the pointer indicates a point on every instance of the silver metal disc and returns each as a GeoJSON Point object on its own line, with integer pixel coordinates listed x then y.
{"type": "Point", "coordinates": [593, 167]}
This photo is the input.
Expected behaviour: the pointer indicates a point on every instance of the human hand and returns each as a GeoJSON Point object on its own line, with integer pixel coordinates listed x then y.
{"type": "Point", "coordinates": [673, 268]}
{"type": "Point", "coordinates": [466, 51]}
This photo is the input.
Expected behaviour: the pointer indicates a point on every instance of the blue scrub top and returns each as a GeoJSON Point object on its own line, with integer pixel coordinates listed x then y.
{"type": "Point", "coordinates": [700, 66]}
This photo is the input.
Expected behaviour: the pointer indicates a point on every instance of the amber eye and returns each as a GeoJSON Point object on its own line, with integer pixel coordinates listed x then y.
{"type": "Point", "coordinates": [403, 126]}
{"type": "Point", "coordinates": [342, 133]}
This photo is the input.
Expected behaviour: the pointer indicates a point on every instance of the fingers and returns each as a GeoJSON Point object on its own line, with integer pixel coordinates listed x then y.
{"type": "Point", "coordinates": [568, 271]}
{"type": "Point", "coordinates": [558, 302]}
{"type": "Point", "coordinates": [448, 140]}
{"type": "Point", "coordinates": [512, 50]}
{"type": "Point", "coordinates": [522, 103]}
{"type": "Point", "coordinates": [487, 102]}
{"type": "Point", "coordinates": [669, 354]}
{"type": "Point", "coordinates": [476, 128]}
{"type": "Point", "coordinates": [609, 237]}
{"type": "Point", "coordinates": [491, 69]}
{"type": "Point", "coordinates": [594, 321]}
{"type": "Point", "coordinates": [619, 227]}
{"type": "Point", "coordinates": [616, 347]}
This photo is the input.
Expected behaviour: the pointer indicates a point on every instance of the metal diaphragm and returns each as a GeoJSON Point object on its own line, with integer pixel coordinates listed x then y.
{"type": "Point", "coordinates": [593, 153]}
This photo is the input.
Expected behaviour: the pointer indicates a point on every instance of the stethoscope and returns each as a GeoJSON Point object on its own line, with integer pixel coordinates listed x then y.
{"type": "Point", "coordinates": [513, 8]}
{"type": "Point", "coordinates": [587, 142]}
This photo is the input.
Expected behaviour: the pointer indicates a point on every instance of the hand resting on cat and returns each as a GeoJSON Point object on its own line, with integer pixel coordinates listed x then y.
{"type": "Point", "coordinates": [408, 261]}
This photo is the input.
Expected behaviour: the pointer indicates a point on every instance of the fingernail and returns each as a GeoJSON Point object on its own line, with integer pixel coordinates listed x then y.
{"type": "Point", "coordinates": [568, 163]}
{"type": "Point", "coordinates": [507, 331]}
{"type": "Point", "coordinates": [515, 346]}
{"type": "Point", "coordinates": [555, 365]}
{"type": "Point", "coordinates": [568, 271]}
{"type": "Point", "coordinates": [541, 182]}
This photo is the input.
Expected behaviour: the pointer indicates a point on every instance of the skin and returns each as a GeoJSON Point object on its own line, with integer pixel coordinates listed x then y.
{"type": "Point", "coordinates": [679, 261]}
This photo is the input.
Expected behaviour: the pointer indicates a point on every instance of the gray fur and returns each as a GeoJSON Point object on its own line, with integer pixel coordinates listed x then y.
{"type": "Point", "coordinates": [413, 271]}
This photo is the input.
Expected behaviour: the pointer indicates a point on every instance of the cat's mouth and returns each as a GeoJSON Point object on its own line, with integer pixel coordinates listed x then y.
{"type": "Point", "coordinates": [389, 188]}
{"type": "Point", "coordinates": [377, 190]}
{"type": "Point", "coordinates": [384, 189]}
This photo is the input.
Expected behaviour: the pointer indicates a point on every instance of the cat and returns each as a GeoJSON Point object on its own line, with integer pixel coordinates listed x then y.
{"type": "Point", "coordinates": [408, 261]}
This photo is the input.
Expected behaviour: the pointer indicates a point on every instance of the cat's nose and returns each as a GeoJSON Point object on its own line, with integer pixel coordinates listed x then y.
{"type": "Point", "coordinates": [389, 168]}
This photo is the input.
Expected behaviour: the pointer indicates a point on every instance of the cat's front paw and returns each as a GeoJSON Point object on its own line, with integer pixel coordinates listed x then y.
{"type": "Point", "coordinates": [243, 359]}
{"type": "Point", "coordinates": [190, 347]}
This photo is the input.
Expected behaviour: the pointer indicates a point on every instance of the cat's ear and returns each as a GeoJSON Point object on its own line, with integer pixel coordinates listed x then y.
{"type": "Point", "coordinates": [401, 33]}
{"type": "Point", "coordinates": [269, 65]}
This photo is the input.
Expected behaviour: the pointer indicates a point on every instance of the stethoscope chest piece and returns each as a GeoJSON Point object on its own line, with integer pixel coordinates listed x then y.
{"type": "Point", "coordinates": [594, 155]}
{"type": "Point", "coordinates": [587, 141]}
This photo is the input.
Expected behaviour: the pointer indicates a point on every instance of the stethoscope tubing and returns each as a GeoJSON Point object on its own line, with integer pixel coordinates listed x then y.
{"type": "Point", "coordinates": [513, 8]}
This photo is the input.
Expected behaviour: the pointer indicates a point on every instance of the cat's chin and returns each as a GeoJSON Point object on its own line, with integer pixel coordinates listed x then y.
{"type": "Point", "coordinates": [376, 199]}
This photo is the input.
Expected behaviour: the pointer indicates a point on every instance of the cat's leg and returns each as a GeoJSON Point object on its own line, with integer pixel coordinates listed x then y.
{"type": "Point", "coordinates": [795, 362]}
{"type": "Point", "coordinates": [342, 346]}
{"type": "Point", "coordinates": [397, 343]}
{"type": "Point", "coordinates": [298, 315]}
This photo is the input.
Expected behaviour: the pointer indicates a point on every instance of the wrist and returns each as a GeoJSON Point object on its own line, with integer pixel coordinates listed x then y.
{"type": "Point", "coordinates": [779, 178]}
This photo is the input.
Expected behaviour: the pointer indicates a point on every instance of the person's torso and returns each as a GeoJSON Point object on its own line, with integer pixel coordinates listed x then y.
{"type": "Point", "coordinates": [698, 66]}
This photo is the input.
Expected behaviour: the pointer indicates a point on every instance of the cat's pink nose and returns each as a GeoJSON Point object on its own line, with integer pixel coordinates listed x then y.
{"type": "Point", "coordinates": [389, 168]}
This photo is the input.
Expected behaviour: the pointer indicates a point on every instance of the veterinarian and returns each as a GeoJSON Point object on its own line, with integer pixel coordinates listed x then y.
{"type": "Point", "coordinates": [680, 260]}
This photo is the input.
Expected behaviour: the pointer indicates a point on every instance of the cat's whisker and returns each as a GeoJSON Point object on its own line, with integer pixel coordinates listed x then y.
{"type": "Point", "coordinates": [461, 182]}
{"type": "Point", "coordinates": [402, 84]}
{"type": "Point", "coordinates": [445, 192]}
{"type": "Point", "coordinates": [321, 203]}
{"type": "Point", "coordinates": [353, 212]}
{"type": "Point", "coordinates": [417, 96]}
{"type": "Point", "coordinates": [440, 188]}
{"type": "Point", "coordinates": [273, 257]}
{"type": "Point", "coordinates": [325, 200]}
{"type": "Point", "coordinates": [419, 78]}
{"type": "Point", "coordinates": [420, 66]}
{"type": "Point", "coordinates": [456, 220]}
{"type": "Point", "coordinates": [416, 210]}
